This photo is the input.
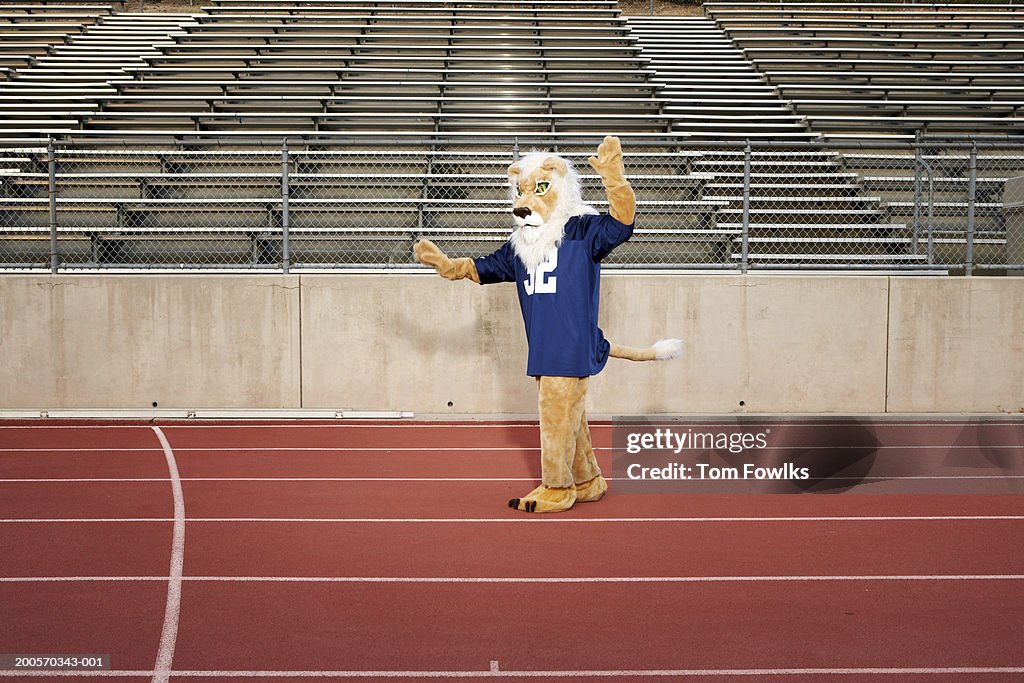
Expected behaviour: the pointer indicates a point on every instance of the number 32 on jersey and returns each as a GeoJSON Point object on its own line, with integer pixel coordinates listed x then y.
{"type": "Point", "coordinates": [540, 280]}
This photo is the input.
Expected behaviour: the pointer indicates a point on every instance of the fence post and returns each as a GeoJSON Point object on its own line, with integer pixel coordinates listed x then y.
{"type": "Point", "coordinates": [931, 212]}
{"type": "Point", "coordinates": [51, 170]}
{"type": "Point", "coordinates": [285, 217]}
{"type": "Point", "coordinates": [920, 164]}
{"type": "Point", "coordinates": [972, 190]}
{"type": "Point", "coordinates": [515, 149]}
{"type": "Point", "coordinates": [745, 239]}
{"type": "Point", "coordinates": [917, 194]}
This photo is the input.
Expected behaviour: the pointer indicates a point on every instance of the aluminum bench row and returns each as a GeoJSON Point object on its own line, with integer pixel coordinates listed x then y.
{"type": "Point", "coordinates": [241, 61]}
{"type": "Point", "coordinates": [352, 73]}
{"type": "Point", "coordinates": [867, 24]}
{"type": "Point", "coordinates": [906, 123]}
{"type": "Point", "coordinates": [58, 7]}
{"type": "Point", "coordinates": [438, 27]}
{"type": "Point", "coordinates": [355, 48]}
{"type": "Point", "coordinates": [768, 39]}
{"type": "Point", "coordinates": [20, 34]}
{"type": "Point", "coordinates": [372, 120]}
{"type": "Point", "coordinates": [870, 34]}
{"type": "Point", "coordinates": [863, 15]}
{"type": "Point", "coordinates": [938, 65]}
{"type": "Point", "coordinates": [32, 100]}
{"type": "Point", "coordinates": [361, 161]}
{"type": "Point", "coordinates": [518, 87]}
{"type": "Point", "coordinates": [432, 77]}
{"type": "Point", "coordinates": [453, 39]}
{"type": "Point", "coordinates": [14, 24]}
{"type": "Point", "coordinates": [906, 53]}
{"type": "Point", "coordinates": [315, 14]}
{"type": "Point", "coordinates": [917, 107]}
{"type": "Point", "coordinates": [1010, 77]}
{"type": "Point", "coordinates": [525, 5]}
{"type": "Point", "coordinates": [863, 12]}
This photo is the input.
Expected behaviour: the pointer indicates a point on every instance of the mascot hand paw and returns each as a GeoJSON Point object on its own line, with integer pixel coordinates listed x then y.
{"type": "Point", "coordinates": [608, 162]}
{"type": "Point", "coordinates": [428, 254]}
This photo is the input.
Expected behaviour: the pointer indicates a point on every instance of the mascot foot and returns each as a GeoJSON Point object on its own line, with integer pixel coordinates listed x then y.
{"type": "Point", "coordinates": [592, 490]}
{"type": "Point", "coordinates": [545, 499]}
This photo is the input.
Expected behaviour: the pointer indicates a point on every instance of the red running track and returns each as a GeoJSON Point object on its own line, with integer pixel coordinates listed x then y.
{"type": "Point", "coordinates": [386, 552]}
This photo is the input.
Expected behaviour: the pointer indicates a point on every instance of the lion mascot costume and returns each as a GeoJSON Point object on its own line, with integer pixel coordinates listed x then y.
{"type": "Point", "coordinates": [554, 257]}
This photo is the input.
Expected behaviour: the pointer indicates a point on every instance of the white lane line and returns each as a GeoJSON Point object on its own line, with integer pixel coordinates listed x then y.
{"type": "Point", "coordinates": [93, 480]}
{"type": "Point", "coordinates": [513, 520]}
{"type": "Point", "coordinates": [60, 449]}
{"type": "Point", "coordinates": [292, 449]}
{"type": "Point", "coordinates": [558, 674]}
{"type": "Point", "coordinates": [521, 579]}
{"type": "Point", "coordinates": [169, 633]}
{"type": "Point", "coordinates": [482, 449]}
{"type": "Point", "coordinates": [288, 479]}
{"type": "Point", "coordinates": [185, 479]}
{"type": "Point", "coordinates": [999, 421]}
{"type": "Point", "coordinates": [297, 424]}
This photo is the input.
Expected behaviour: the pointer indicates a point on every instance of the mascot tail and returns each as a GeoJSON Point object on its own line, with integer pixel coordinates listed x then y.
{"type": "Point", "coordinates": [664, 349]}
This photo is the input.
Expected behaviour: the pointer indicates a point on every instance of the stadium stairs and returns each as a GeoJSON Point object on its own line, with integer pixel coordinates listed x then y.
{"type": "Point", "coordinates": [805, 207]}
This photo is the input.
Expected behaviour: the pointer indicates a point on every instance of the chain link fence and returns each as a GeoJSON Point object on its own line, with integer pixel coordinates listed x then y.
{"type": "Point", "coordinates": [948, 206]}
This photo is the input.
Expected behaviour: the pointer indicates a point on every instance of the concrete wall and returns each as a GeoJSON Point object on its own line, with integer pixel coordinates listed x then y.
{"type": "Point", "coordinates": [778, 344]}
{"type": "Point", "coordinates": [956, 345]}
{"type": "Point", "coordinates": [126, 342]}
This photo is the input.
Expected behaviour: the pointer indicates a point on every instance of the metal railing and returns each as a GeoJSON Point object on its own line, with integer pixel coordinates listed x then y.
{"type": "Point", "coordinates": [868, 205]}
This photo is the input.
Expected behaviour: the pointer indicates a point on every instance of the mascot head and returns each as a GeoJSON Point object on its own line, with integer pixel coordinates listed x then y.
{"type": "Point", "coordinates": [545, 194]}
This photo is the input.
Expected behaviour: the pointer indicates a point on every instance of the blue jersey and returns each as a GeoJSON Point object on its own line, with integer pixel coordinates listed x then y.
{"type": "Point", "coordinates": [559, 300]}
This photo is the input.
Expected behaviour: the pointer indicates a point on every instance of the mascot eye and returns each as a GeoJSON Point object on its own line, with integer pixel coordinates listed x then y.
{"type": "Point", "coordinates": [542, 187]}
{"type": "Point", "coordinates": [519, 191]}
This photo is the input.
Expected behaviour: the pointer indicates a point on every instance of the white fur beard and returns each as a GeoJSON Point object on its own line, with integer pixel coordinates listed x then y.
{"type": "Point", "coordinates": [533, 244]}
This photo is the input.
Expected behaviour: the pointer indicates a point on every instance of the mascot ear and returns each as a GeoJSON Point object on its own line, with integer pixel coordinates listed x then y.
{"type": "Point", "coordinates": [555, 164]}
{"type": "Point", "coordinates": [514, 171]}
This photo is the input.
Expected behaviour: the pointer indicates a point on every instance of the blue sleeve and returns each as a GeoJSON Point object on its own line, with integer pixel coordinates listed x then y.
{"type": "Point", "coordinates": [498, 267]}
{"type": "Point", "coordinates": [604, 233]}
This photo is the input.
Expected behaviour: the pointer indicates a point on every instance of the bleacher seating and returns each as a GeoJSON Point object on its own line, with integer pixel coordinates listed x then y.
{"type": "Point", "coordinates": [400, 114]}
{"type": "Point", "coordinates": [888, 68]}
{"type": "Point", "coordinates": [562, 67]}
{"type": "Point", "coordinates": [28, 31]}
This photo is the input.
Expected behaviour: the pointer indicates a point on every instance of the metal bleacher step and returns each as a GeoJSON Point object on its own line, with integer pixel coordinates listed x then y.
{"type": "Point", "coordinates": [890, 68]}
{"type": "Point", "coordinates": [340, 70]}
{"type": "Point", "coordinates": [90, 63]}
{"type": "Point", "coordinates": [694, 59]}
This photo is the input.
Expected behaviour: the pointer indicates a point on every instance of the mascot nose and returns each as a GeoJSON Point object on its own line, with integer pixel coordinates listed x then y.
{"type": "Point", "coordinates": [521, 212]}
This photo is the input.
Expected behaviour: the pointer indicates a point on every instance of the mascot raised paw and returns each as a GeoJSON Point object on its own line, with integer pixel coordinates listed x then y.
{"type": "Point", "coordinates": [554, 257]}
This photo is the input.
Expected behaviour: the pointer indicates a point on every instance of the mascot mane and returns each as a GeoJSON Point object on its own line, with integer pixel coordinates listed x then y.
{"type": "Point", "coordinates": [532, 245]}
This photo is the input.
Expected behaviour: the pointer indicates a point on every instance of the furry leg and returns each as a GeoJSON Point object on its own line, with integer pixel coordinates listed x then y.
{"type": "Point", "coordinates": [561, 408]}
{"type": "Point", "coordinates": [590, 485]}
{"type": "Point", "coordinates": [561, 402]}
